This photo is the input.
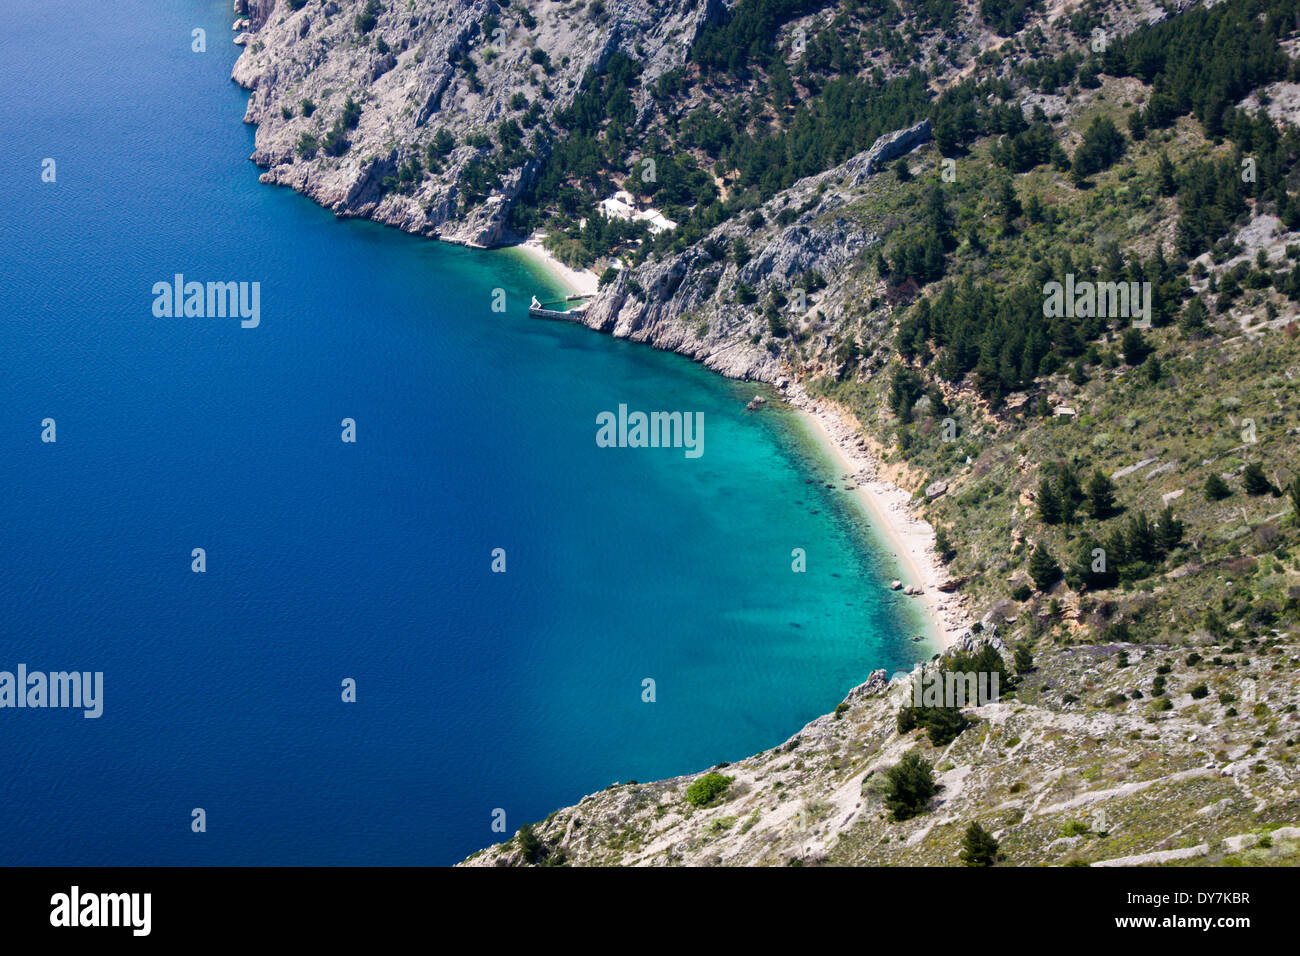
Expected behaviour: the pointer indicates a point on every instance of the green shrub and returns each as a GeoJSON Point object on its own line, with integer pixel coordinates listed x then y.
{"type": "Point", "coordinates": [365, 20]}
{"type": "Point", "coordinates": [978, 847]}
{"type": "Point", "coordinates": [1043, 568]}
{"type": "Point", "coordinates": [529, 843]}
{"type": "Point", "coordinates": [1254, 480]}
{"type": "Point", "coordinates": [707, 789]}
{"type": "Point", "coordinates": [910, 785]}
{"type": "Point", "coordinates": [943, 724]}
{"type": "Point", "coordinates": [351, 113]}
{"type": "Point", "coordinates": [1216, 489]}
{"type": "Point", "coordinates": [336, 140]}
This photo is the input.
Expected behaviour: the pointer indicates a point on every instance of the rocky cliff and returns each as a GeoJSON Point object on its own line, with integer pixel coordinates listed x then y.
{"type": "Point", "coordinates": [459, 67]}
{"type": "Point", "coordinates": [694, 303]}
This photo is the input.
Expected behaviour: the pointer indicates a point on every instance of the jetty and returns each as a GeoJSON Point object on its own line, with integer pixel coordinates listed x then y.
{"type": "Point", "coordinates": [549, 310]}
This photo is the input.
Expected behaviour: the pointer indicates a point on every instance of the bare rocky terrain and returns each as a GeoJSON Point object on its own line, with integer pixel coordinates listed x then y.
{"type": "Point", "coordinates": [422, 85]}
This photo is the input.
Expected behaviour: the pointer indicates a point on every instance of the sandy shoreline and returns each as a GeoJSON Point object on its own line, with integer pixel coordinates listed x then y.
{"type": "Point", "coordinates": [576, 281]}
{"type": "Point", "coordinates": [909, 538]}
{"type": "Point", "coordinates": [888, 507]}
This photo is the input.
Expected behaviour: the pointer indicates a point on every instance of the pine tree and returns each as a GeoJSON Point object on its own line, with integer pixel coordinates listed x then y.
{"type": "Point", "coordinates": [1216, 489]}
{"type": "Point", "coordinates": [1024, 660]}
{"type": "Point", "coordinates": [1101, 496]}
{"type": "Point", "coordinates": [1165, 181]}
{"type": "Point", "coordinates": [1102, 144]}
{"type": "Point", "coordinates": [1096, 571]}
{"type": "Point", "coordinates": [1294, 491]}
{"type": "Point", "coordinates": [908, 719]}
{"type": "Point", "coordinates": [1068, 493]}
{"type": "Point", "coordinates": [943, 545]}
{"type": "Point", "coordinates": [1010, 206]}
{"type": "Point", "coordinates": [1254, 481]}
{"type": "Point", "coordinates": [1169, 531]}
{"type": "Point", "coordinates": [938, 218]}
{"type": "Point", "coordinates": [1193, 320]}
{"type": "Point", "coordinates": [942, 724]}
{"type": "Point", "coordinates": [910, 786]}
{"type": "Point", "coordinates": [1137, 126]}
{"type": "Point", "coordinates": [1043, 569]}
{"type": "Point", "coordinates": [1116, 548]}
{"type": "Point", "coordinates": [1135, 347]}
{"type": "Point", "coordinates": [978, 847]}
{"type": "Point", "coordinates": [1049, 505]}
{"type": "Point", "coordinates": [989, 661]}
{"type": "Point", "coordinates": [1140, 539]}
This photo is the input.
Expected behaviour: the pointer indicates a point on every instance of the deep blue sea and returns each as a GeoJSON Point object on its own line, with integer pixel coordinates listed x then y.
{"type": "Point", "coordinates": [372, 560]}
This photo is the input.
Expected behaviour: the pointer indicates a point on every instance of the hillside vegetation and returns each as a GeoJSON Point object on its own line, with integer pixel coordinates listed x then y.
{"type": "Point", "coordinates": [880, 203]}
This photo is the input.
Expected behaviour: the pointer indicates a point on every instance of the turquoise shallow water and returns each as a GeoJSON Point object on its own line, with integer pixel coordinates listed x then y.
{"type": "Point", "coordinates": [476, 430]}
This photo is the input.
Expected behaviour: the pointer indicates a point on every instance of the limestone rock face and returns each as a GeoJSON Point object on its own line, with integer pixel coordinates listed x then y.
{"type": "Point", "coordinates": [877, 681]}
{"type": "Point", "coordinates": [886, 149]}
{"type": "Point", "coordinates": [456, 66]}
{"type": "Point", "coordinates": [694, 303]}
{"type": "Point", "coordinates": [258, 11]}
{"type": "Point", "coordinates": [459, 69]}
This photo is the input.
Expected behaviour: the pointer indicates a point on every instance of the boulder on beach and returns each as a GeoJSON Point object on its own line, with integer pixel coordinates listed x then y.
{"type": "Point", "coordinates": [895, 585]}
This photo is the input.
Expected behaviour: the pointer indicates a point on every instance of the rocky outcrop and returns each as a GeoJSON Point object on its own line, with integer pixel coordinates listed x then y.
{"type": "Point", "coordinates": [258, 12]}
{"type": "Point", "coordinates": [885, 149]}
{"type": "Point", "coordinates": [699, 304]}
{"type": "Point", "coordinates": [461, 67]}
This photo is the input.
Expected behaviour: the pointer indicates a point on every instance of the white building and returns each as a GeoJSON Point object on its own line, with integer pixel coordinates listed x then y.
{"type": "Point", "coordinates": [622, 205]}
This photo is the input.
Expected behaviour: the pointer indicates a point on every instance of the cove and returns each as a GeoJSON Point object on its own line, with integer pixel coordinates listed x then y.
{"type": "Point", "coordinates": [370, 561]}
